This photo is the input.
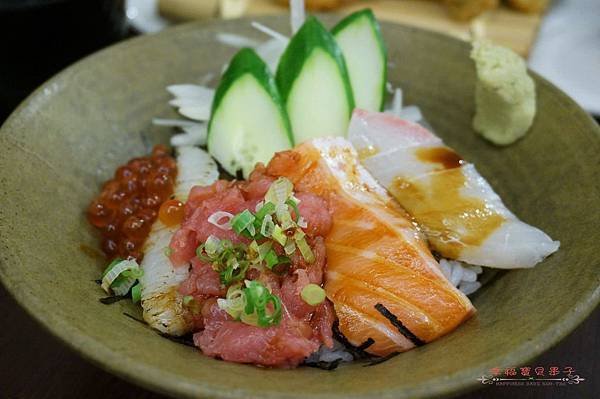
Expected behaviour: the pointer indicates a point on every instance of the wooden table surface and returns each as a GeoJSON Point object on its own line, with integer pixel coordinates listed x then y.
{"type": "Point", "coordinates": [34, 364]}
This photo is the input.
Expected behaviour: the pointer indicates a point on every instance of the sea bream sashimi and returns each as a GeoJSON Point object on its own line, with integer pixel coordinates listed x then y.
{"type": "Point", "coordinates": [162, 304]}
{"type": "Point", "coordinates": [458, 210]}
{"type": "Point", "coordinates": [387, 289]}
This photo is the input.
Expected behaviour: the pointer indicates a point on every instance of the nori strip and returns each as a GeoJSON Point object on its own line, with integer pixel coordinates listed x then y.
{"type": "Point", "coordinates": [112, 299]}
{"type": "Point", "coordinates": [356, 352]}
{"type": "Point", "coordinates": [325, 365]}
{"type": "Point", "coordinates": [132, 317]}
{"type": "Point", "coordinates": [186, 340]}
{"type": "Point", "coordinates": [370, 341]}
{"type": "Point", "coordinates": [398, 324]}
{"type": "Point", "coordinates": [379, 360]}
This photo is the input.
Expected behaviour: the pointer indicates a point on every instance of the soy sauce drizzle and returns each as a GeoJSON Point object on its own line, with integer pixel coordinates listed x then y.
{"type": "Point", "coordinates": [398, 324]}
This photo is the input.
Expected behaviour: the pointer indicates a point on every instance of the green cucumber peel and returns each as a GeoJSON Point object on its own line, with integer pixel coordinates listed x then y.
{"type": "Point", "coordinates": [246, 61]}
{"type": "Point", "coordinates": [312, 35]}
{"type": "Point", "coordinates": [368, 16]}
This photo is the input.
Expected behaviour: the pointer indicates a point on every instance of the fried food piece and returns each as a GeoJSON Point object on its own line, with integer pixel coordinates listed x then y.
{"type": "Point", "coordinates": [529, 6]}
{"type": "Point", "coordinates": [318, 5]}
{"type": "Point", "coordinates": [465, 10]}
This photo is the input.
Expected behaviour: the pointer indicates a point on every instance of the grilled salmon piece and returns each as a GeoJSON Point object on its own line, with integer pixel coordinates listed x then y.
{"type": "Point", "coordinates": [387, 289]}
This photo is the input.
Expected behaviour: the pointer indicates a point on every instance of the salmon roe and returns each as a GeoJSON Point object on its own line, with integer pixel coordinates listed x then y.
{"type": "Point", "coordinates": [171, 212]}
{"type": "Point", "coordinates": [129, 203]}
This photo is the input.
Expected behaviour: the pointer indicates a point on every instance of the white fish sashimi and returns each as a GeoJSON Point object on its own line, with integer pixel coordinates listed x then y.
{"type": "Point", "coordinates": [161, 302]}
{"type": "Point", "coordinates": [458, 210]}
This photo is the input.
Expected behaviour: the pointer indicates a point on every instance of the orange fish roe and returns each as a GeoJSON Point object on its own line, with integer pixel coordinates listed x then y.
{"type": "Point", "coordinates": [171, 212]}
{"type": "Point", "coordinates": [129, 202]}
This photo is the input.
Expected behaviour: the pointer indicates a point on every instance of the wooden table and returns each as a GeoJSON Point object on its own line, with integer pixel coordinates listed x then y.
{"type": "Point", "coordinates": [34, 364]}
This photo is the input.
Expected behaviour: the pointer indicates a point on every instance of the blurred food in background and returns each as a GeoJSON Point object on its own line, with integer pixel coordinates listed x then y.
{"type": "Point", "coordinates": [462, 10]}
{"type": "Point", "coordinates": [491, 19]}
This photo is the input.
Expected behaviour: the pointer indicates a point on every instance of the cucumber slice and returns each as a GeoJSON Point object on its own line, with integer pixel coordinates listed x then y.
{"type": "Point", "coordinates": [359, 37]}
{"type": "Point", "coordinates": [313, 82]}
{"type": "Point", "coordinates": [248, 121]}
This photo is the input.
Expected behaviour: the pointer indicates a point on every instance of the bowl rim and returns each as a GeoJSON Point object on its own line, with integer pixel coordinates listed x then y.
{"type": "Point", "coordinates": [168, 383]}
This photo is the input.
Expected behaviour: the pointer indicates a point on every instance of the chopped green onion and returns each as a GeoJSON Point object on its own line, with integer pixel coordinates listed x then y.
{"type": "Point", "coordinates": [187, 300]}
{"type": "Point", "coordinates": [267, 209]}
{"type": "Point", "coordinates": [258, 299]}
{"type": "Point", "coordinates": [111, 265]}
{"type": "Point", "coordinates": [253, 248]}
{"type": "Point", "coordinates": [267, 226]}
{"type": "Point", "coordinates": [216, 217]}
{"type": "Point", "coordinates": [278, 235]}
{"type": "Point", "coordinates": [283, 216]}
{"type": "Point", "coordinates": [272, 259]}
{"type": "Point", "coordinates": [234, 271]}
{"type": "Point", "coordinates": [302, 223]}
{"type": "Point", "coordinates": [282, 260]}
{"type": "Point", "coordinates": [312, 294]}
{"type": "Point", "coordinates": [234, 302]}
{"type": "Point", "coordinates": [212, 245]}
{"type": "Point", "coordinates": [200, 254]}
{"type": "Point", "coordinates": [121, 276]}
{"type": "Point", "coordinates": [136, 293]}
{"type": "Point", "coordinates": [168, 252]}
{"type": "Point", "coordinates": [242, 220]}
{"type": "Point", "coordinates": [289, 247]}
{"type": "Point", "coordinates": [294, 206]}
{"type": "Point", "coordinates": [254, 304]}
{"type": "Point", "coordinates": [282, 265]}
{"type": "Point", "coordinates": [263, 249]}
{"type": "Point", "coordinates": [303, 246]}
{"type": "Point", "coordinates": [279, 191]}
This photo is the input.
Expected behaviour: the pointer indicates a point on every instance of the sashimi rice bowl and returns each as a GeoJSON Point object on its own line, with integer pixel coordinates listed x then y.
{"type": "Point", "coordinates": [303, 215]}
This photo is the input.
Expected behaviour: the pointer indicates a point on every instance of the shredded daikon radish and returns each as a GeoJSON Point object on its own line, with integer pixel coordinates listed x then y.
{"type": "Point", "coordinates": [297, 14]}
{"type": "Point", "coordinates": [268, 31]}
{"type": "Point", "coordinates": [239, 41]}
{"type": "Point", "coordinates": [411, 113]}
{"type": "Point", "coordinates": [271, 51]}
{"type": "Point", "coordinates": [191, 136]}
{"type": "Point", "coordinates": [173, 122]}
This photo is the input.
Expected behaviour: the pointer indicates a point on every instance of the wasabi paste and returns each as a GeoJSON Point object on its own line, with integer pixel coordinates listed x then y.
{"type": "Point", "coordinates": [504, 94]}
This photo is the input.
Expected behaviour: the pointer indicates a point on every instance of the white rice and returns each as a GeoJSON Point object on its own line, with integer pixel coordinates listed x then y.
{"type": "Point", "coordinates": [324, 354]}
{"type": "Point", "coordinates": [461, 275]}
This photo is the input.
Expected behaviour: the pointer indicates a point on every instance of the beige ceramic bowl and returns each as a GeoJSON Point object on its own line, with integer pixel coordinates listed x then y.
{"type": "Point", "coordinates": [69, 136]}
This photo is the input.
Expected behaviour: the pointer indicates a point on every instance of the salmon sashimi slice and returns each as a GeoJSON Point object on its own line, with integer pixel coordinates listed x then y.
{"type": "Point", "coordinates": [384, 283]}
{"type": "Point", "coordinates": [458, 210]}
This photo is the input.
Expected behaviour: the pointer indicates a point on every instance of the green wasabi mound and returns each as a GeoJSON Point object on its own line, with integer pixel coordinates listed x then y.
{"type": "Point", "coordinates": [504, 94]}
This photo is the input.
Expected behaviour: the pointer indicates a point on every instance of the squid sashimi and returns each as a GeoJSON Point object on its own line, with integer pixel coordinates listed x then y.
{"type": "Point", "coordinates": [460, 213]}
{"type": "Point", "coordinates": [387, 289]}
{"type": "Point", "coordinates": [162, 303]}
